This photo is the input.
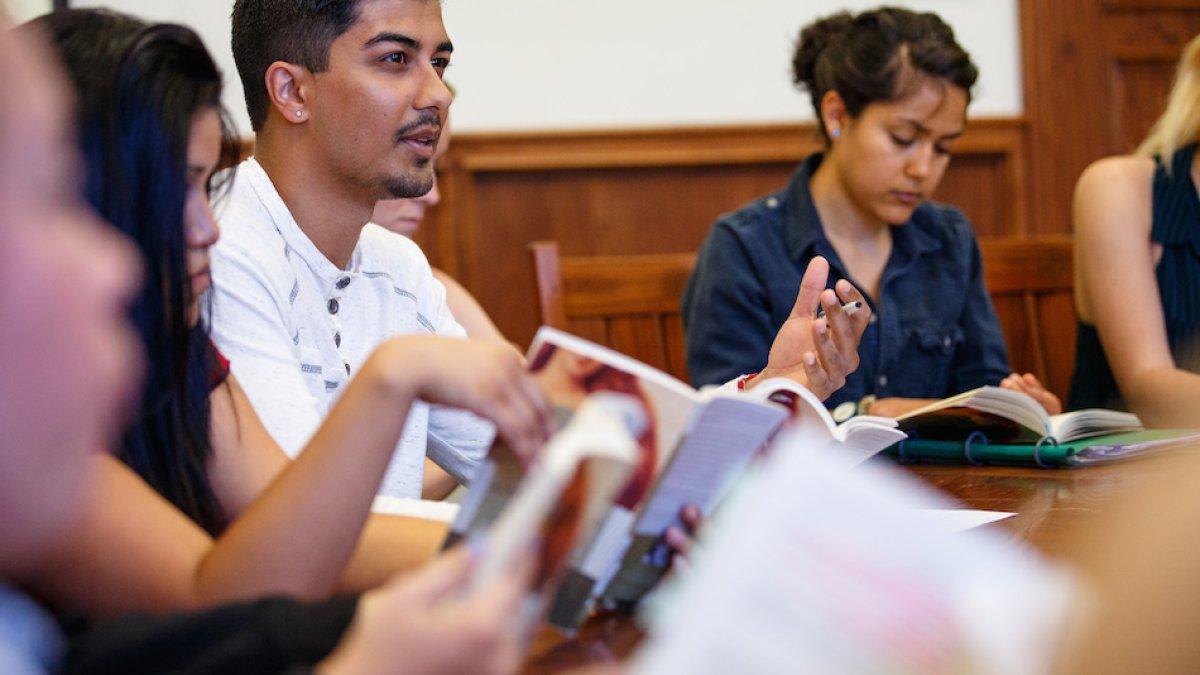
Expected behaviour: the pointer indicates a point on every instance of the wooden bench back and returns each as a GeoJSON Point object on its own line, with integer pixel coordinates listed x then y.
{"type": "Point", "coordinates": [1031, 281]}
{"type": "Point", "coordinates": [632, 302]}
{"type": "Point", "coordinates": [627, 302]}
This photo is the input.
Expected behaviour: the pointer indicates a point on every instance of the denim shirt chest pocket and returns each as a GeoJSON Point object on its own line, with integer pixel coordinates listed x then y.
{"type": "Point", "coordinates": [928, 360]}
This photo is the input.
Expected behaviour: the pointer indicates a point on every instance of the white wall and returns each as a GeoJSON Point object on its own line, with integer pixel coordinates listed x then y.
{"type": "Point", "coordinates": [24, 10]}
{"type": "Point", "coordinates": [541, 64]}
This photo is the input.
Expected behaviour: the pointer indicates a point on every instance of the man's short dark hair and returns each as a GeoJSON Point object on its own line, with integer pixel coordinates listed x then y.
{"type": "Point", "coordinates": [293, 31]}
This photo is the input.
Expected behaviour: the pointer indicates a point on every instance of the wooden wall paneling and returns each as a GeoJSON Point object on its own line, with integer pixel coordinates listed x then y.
{"type": "Point", "coordinates": [450, 212]}
{"type": "Point", "coordinates": [1095, 75]}
{"type": "Point", "coordinates": [1143, 47]}
{"type": "Point", "coordinates": [592, 212]}
{"type": "Point", "coordinates": [987, 178]}
{"type": "Point", "coordinates": [1138, 77]}
{"type": "Point", "coordinates": [651, 191]}
{"type": "Point", "coordinates": [1064, 92]}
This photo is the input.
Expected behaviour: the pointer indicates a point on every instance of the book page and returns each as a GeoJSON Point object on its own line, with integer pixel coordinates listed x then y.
{"type": "Point", "coordinates": [1077, 424]}
{"type": "Point", "coordinates": [564, 495]}
{"type": "Point", "coordinates": [1004, 416]}
{"type": "Point", "coordinates": [818, 568]}
{"type": "Point", "coordinates": [568, 368]}
{"type": "Point", "coordinates": [805, 407]}
{"type": "Point", "coordinates": [865, 436]}
{"type": "Point", "coordinates": [726, 435]}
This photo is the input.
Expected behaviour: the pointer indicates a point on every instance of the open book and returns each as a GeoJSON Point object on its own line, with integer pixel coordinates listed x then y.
{"type": "Point", "coordinates": [561, 494]}
{"type": "Point", "coordinates": [687, 478]}
{"type": "Point", "coordinates": [1006, 416]}
{"type": "Point", "coordinates": [693, 447]}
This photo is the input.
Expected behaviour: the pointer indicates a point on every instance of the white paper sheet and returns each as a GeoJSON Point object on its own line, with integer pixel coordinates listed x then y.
{"type": "Point", "coordinates": [416, 508]}
{"type": "Point", "coordinates": [957, 520]}
{"type": "Point", "coordinates": [816, 568]}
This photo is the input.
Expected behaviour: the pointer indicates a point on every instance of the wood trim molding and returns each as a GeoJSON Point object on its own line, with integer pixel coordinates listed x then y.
{"type": "Point", "coordinates": [1148, 53]}
{"type": "Point", "coordinates": [1149, 5]}
{"type": "Point", "coordinates": [690, 146]}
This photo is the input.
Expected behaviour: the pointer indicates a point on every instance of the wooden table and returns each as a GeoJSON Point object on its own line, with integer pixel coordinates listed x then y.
{"type": "Point", "coordinates": [1052, 505]}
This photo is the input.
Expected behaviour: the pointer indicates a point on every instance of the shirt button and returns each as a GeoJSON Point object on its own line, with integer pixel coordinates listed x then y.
{"type": "Point", "coordinates": [343, 282]}
{"type": "Point", "coordinates": [882, 380]}
{"type": "Point", "coordinates": [947, 342]}
{"type": "Point", "coordinates": [347, 367]}
{"type": "Point", "coordinates": [333, 306]}
{"type": "Point", "coordinates": [337, 339]}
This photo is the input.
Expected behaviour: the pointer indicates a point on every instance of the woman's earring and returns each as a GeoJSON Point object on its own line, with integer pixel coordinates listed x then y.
{"type": "Point", "coordinates": [299, 113]}
{"type": "Point", "coordinates": [836, 133]}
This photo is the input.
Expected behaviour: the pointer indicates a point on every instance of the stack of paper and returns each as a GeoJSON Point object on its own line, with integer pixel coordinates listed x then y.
{"type": "Point", "coordinates": [814, 567]}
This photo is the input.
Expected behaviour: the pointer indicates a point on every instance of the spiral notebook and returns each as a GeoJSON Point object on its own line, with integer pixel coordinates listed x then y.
{"type": "Point", "coordinates": [1046, 453]}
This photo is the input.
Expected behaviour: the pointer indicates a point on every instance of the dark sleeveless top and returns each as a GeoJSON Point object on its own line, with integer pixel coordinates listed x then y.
{"type": "Point", "coordinates": [1175, 224]}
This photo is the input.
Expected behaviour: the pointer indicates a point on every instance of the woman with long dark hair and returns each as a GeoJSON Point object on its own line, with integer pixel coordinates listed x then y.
{"type": "Point", "coordinates": [203, 505]}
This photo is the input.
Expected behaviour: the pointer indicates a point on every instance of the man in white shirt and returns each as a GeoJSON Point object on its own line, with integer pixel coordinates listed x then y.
{"type": "Point", "coordinates": [348, 103]}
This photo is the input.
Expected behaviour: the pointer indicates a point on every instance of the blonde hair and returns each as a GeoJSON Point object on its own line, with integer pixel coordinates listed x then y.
{"type": "Point", "coordinates": [1180, 122]}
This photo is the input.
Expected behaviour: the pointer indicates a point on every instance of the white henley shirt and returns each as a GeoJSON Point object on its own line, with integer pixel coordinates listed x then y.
{"type": "Point", "coordinates": [296, 328]}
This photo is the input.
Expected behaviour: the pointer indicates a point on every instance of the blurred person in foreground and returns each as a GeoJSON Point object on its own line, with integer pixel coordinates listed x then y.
{"type": "Point", "coordinates": [71, 363]}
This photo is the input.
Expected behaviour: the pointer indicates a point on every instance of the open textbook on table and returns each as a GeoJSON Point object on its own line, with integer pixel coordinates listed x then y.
{"type": "Point", "coordinates": [991, 425]}
{"type": "Point", "coordinates": [691, 449]}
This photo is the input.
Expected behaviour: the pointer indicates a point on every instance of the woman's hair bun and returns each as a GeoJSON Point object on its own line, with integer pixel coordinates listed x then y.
{"type": "Point", "coordinates": [814, 39]}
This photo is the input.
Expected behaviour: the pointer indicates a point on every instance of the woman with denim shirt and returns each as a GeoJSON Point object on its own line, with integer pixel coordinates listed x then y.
{"type": "Point", "coordinates": [890, 88]}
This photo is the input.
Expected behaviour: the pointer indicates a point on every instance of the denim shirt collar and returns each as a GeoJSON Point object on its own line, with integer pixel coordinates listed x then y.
{"type": "Point", "coordinates": [806, 235]}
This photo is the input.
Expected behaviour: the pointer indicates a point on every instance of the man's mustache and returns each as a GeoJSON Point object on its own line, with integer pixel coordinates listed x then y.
{"type": "Point", "coordinates": [426, 120]}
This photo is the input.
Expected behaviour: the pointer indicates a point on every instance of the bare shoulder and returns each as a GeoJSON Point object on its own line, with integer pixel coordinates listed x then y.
{"type": "Point", "coordinates": [1125, 173]}
{"type": "Point", "coordinates": [1115, 192]}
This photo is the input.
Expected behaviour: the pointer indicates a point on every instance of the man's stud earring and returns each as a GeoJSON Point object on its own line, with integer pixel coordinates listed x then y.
{"type": "Point", "coordinates": [836, 133]}
{"type": "Point", "coordinates": [299, 113]}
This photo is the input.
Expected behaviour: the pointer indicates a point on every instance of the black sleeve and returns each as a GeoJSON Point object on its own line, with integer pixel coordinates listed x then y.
{"type": "Point", "coordinates": [268, 636]}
